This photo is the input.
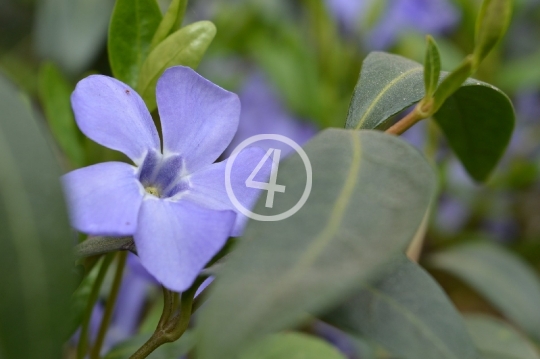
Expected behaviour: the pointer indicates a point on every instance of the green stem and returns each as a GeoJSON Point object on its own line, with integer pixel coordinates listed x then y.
{"type": "Point", "coordinates": [174, 327]}
{"type": "Point", "coordinates": [107, 316]}
{"type": "Point", "coordinates": [85, 326]}
{"type": "Point", "coordinates": [169, 299]}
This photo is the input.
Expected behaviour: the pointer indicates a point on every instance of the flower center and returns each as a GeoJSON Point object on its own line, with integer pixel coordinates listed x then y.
{"type": "Point", "coordinates": [163, 176]}
{"type": "Point", "coordinates": [153, 191]}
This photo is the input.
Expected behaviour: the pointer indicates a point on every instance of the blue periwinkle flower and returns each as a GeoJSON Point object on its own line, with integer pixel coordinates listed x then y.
{"type": "Point", "coordinates": [173, 202]}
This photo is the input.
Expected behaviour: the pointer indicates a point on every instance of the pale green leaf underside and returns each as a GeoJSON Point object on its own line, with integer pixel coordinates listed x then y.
{"type": "Point", "coordinates": [370, 193]}
{"type": "Point", "coordinates": [408, 313]}
{"type": "Point", "coordinates": [507, 282]}
{"type": "Point", "coordinates": [291, 346]}
{"type": "Point", "coordinates": [496, 339]}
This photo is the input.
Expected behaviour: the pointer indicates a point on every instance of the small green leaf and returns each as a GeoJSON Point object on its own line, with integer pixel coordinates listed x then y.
{"type": "Point", "coordinates": [491, 25]}
{"type": "Point", "coordinates": [369, 194]}
{"type": "Point", "coordinates": [35, 237]}
{"type": "Point", "coordinates": [432, 67]}
{"type": "Point", "coordinates": [291, 346]}
{"type": "Point", "coordinates": [504, 279]}
{"type": "Point", "coordinates": [496, 339]}
{"type": "Point", "coordinates": [408, 314]}
{"type": "Point", "coordinates": [477, 119]}
{"type": "Point", "coordinates": [132, 28]}
{"type": "Point", "coordinates": [185, 47]}
{"type": "Point", "coordinates": [54, 93]}
{"type": "Point", "coordinates": [451, 83]}
{"type": "Point", "coordinates": [171, 21]}
{"type": "Point", "coordinates": [172, 350]}
{"type": "Point", "coordinates": [97, 245]}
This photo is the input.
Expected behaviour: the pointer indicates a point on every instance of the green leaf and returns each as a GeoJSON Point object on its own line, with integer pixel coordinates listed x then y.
{"type": "Point", "coordinates": [369, 195]}
{"type": "Point", "coordinates": [79, 299]}
{"type": "Point", "coordinates": [97, 245]}
{"type": "Point", "coordinates": [71, 32]}
{"type": "Point", "coordinates": [172, 350]}
{"type": "Point", "coordinates": [491, 25]}
{"type": "Point", "coordinates": [132, 28]}
{"type": "Point", "coordinates": [477, 119]}
{"type": "Point", "coordinates": [496, 339]}
{"type": "Point", "coordinates": [451, 83]}
{"type": "Point", "coordinates": [291, 346]}
{"type": "Point", "coordinates": [432, 67]}
{"type": "Point", "coordinates": [387, 85]}
{"type": "Point", "coordinates": [54, 93]}
{"type": "Point", "coordinates": [171, 21]}
{"type": "Point", "coordinates": [185, 47]}
{"type": "Point", "coordinates": [408, 314]}
{"type": "Point", "coordinates": [503, 278]}
{"type": "Point", "coordinates": [35, 246]}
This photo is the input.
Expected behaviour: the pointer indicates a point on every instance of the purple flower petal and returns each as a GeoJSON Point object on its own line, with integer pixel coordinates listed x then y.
{"type": "Point", "coordinates": [198, 118]}
{"type": "Point", "coordinates": [114, 115]}
{"type": "Point", "coordinates": [104, 199]}
{"type": "Point", "coordinates": [207, 186]}
{"type": "Point", "coordinates": [175, 240]}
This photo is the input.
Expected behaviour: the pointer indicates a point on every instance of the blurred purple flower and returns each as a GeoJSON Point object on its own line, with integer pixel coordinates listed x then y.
{"type": "Point", "coordinates": [427, 16]}
{"type": "Point", "coordinates": [337, 338]}
{"type": "Point", "coordinates": [174, 203]}
{"type": "Point", "coordinates": [451, 215]}
{"type": "Point", "coordinates": [524, 140]}
{"type": "Point", "coordinates": [132, 297]}
{"type": "Point", "coordinates": [348, 12]}
{"type": "Point", "coordinates": [263, 113]}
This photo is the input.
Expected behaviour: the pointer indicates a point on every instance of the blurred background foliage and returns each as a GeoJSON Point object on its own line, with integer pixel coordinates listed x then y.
{"type": "Point", "coordinates": [295, 64]}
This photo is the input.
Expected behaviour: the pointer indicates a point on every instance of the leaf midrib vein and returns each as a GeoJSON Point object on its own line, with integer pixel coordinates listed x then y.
{"type": "Point", "coordinates": [382, 93]}
{"type": "Point", "coordinates": [412, 318]}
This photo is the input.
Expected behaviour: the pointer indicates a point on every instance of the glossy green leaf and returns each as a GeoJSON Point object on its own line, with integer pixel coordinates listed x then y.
{"type": "Point", "coordinates": [369, 195]}
{"type": "Point", "coordinates": [35, 247]}
{"type": "Point", "coordinates": [185, 47]}
{"type": "Point", "coordinates": [54, 93]}
{"type": "Point", "coordinates": [496, 339]}
{"type": "Point", "coordinates": [492, 23]}
{"type": "Point", "coordinates": [171, 21]}
{"type": "Point", "coordinates": [132, 28]}
{"type": "Point", "coordinates": [432, 67]}
{"type": "Point", "coordinates": [291, 346]}
{"type": "Point", "coordinates": [503, 278]}
{"type": "Point", "coordinates": [71, 32]}
{"type": "Point", "coordinates": [172, 350]}
{"type": "Point", "coordinates": [477, 119]}
{"type": "Point", "coordinates": [406, 312]}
